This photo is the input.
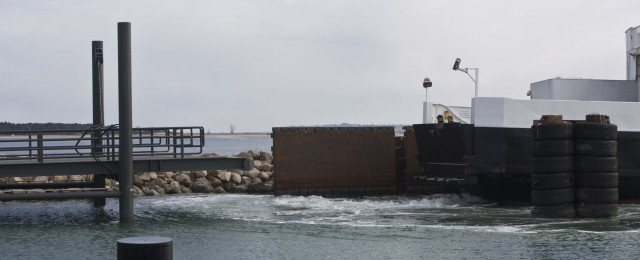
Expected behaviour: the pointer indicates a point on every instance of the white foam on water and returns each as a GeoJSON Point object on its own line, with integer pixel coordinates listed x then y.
{"type": "Point", "coordinates": [490, 229]}
{"type": "Point", "coordinates": [391, 211]}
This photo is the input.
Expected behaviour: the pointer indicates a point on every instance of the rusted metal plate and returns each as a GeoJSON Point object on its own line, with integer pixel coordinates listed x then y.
{"type": "Point", "coordinates": [349, 160]}
{"type": "Point", "coordinates": [412, 165]}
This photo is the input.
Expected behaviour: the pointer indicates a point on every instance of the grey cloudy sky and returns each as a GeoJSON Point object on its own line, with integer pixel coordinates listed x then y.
{"type": "Point", "coordinates": [260, 64]}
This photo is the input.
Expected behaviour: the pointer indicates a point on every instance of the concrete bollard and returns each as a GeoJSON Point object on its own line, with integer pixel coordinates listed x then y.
{"type": "Point", "coordinates": [142, 248]}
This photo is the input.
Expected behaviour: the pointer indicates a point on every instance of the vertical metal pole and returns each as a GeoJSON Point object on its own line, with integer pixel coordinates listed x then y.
{"type": "Point", "coordinates": [40, 149]}
{"type": "Point", "coordinates": [125, 121]}
{"type": "Point", "coordinates": [477, 79]}
{"type": "Point", "coordinates": [424, 106]}
{"type": "Point", "coordinates": [98, 112]}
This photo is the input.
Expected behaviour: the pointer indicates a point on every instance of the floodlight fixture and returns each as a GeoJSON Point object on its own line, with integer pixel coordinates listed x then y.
{"type": "Point", "coordinates": [456, 66]}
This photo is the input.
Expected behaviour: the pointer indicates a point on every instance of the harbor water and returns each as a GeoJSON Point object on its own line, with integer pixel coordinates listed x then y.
{"type": "Point", "coordinates": [235, 226]}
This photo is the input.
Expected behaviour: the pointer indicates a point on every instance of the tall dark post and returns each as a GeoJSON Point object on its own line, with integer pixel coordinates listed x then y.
{"type": "Point", "coordinates": [125, 121]}
{"type": "Point", "coordinates": [98, 111]}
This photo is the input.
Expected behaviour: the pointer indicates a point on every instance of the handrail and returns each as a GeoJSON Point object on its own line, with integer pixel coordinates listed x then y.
{"type": "Point", "coordinates": [99, 143]}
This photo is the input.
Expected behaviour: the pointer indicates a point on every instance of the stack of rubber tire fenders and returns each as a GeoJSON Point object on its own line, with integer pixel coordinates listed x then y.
{"type": "Point", "coordinates": [552, 181]}
{"type": "Point", "coordinates": [596, 169]}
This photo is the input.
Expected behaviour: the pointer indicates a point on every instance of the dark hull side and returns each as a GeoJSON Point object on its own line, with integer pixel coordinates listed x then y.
{"type": "Point", "coordinates": [502, 162]}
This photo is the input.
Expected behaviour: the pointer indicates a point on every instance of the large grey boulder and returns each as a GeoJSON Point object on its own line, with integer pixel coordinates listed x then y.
{"type": "Point", "coordinates": [253, 173]}
{"type": "Point", "coordinates": [199, 174]}
{"type": "Point", "coordinates": [263, 187]}
{"type": "Point", "coordinates": [158, 189]}
{"type": "Point", "coordinates": [137, 181]}
{"type": "Point", "coordinates": [263, 166]}
{"type": "Point", "coordinates": [214, 182]}
{"type": "Point", "coordinates": [76, 178]}
{"type": "Point", "coordinates": [224, 176]}
{"type": "Point", "coordinates": [57, 178]}
{"type": "Point", "coordinates": [228, 186]}
{"type": "Point", "coordinates": [167, 174]}
{"type": "Point", "coordinates": [265, 156]}
{"type": "Point", "coordinates": [157, 183]}
{"type": "Point", "coordinates": [202, 186]}
{"type": "Point", "coordinates": [137, 192]}
{"type": "Point", "coordinates": [246, 180]}
{"type": "Point", "coordinates": [144, 176]}
{"type": "Point", "coordinates": [153, 175]}
{"type": "Point", "coordinates": [17, 179]}
{"type": "Point", "coordinates": [254, 155]}
{"type": "Point", "coordinates": [236, 178]}
{"type": "Point", "coordinates": [239, 188]}
{"type": "Point", "coordinates": [244, 155]}
{"type": "Point", "coordinates": [264, 176]}
{"type": "Point", "coordinates": [257, 164]}
{"type": "Point", "coordinates": [173, 188]}
{"type": "Point", "coordinates": [184, 180]}
{"type": "Point", "coordinates": [256, 181]}
{"type": "Point", "coordinates": [28, 178]}
{"type": "Point", "coordinates": [219, 190]}
{"type": "Point", "coordinates": [185, 189]}
{"type": "Point", "coordinates": [41, 179]}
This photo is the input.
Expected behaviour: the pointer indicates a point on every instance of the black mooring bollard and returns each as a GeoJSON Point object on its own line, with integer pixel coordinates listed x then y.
{"type": "Point", "coordinates": [143, 248]}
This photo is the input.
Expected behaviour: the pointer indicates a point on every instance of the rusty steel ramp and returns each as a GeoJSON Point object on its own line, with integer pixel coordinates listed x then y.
{"type": "Point", "coordinates": [334, 161]}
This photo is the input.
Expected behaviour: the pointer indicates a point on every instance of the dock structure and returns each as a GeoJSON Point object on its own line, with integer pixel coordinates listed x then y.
{"type": "Point", "coordinates": [116, 151]}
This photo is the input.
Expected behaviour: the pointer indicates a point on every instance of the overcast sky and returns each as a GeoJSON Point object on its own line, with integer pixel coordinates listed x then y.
{"type": "Point", "coordinates": [263, 64]}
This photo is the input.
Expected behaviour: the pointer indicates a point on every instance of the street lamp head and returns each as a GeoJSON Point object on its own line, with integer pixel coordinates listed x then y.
{"type": "Point", "coordinates": [456, 65]}
{"type": "Point", "coordinates": [427, 83]}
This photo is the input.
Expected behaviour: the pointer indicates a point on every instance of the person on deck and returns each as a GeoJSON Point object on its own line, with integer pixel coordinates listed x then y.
{"type": "Point", "coordinates": [440, 119]}
{"type": "Point", "coordinates": [449, 119]}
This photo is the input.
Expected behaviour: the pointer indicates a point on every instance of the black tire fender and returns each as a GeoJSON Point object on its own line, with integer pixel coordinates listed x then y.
{"type": "Point", "coordinates": [596, 164]}
{"type": "Point", "coordinates": [550, 131]}
{"type": "Point", "coordinates": [596, 210]}
{"type": "Point", "coordinates": [552, 181]}
{"type": "Point", "coordinates": [596, 147]}
{"type": "Point", "coordinates": [597, 195]}
{"type": "Point", "coordinates": [597, 180]}
{"type": "Point", "coordinates": [552, 197]}
{"type": "Point", "coordinates": [550, 148]}
{"type": "Point", "coordinates": [596, 131]}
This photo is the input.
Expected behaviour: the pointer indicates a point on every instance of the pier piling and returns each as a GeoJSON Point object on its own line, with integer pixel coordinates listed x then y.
{"type": "Point", "coordinates": [125, 121]}
{"type": "Point", "coordinates": [98, 111]}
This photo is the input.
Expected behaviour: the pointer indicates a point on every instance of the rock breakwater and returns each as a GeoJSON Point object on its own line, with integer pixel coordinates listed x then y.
{"type": "Point", "coordinates": [258, 180]}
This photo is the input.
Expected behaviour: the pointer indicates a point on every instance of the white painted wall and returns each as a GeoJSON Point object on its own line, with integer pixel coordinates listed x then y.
{"type": "Point", "coordinates": [585, 90]}
{"type": "Point", "coordinates": [511, 113]}
{"type": "Point", "coordinates": [430, 111]}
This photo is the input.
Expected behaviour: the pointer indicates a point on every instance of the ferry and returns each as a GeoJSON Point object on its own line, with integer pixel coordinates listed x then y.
{"type": "Point", "coordinates": [489, 152]}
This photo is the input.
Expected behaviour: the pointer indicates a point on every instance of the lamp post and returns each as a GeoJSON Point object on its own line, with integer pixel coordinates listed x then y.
{"type": "Point", "coordinates": [426, 84]}
{"type": "Point", "coordinates": [456, 66]}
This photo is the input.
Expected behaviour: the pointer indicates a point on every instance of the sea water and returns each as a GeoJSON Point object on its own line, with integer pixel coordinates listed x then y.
{"type": "Point", "coordinates": [239, 226]}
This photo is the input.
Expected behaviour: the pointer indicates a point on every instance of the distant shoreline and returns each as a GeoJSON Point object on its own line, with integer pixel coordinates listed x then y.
{"type": "Point", "coordinates": [247, 133]}
{"type": "Point", "coordinates": [71, 135]}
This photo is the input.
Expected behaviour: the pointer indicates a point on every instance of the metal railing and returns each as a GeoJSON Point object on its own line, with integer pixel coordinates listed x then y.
{"type": "Point", "coordinates": [99, 143]}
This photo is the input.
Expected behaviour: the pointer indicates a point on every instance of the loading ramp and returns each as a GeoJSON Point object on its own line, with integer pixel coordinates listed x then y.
{"type": "Point", "coordinates": [96, 151]}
